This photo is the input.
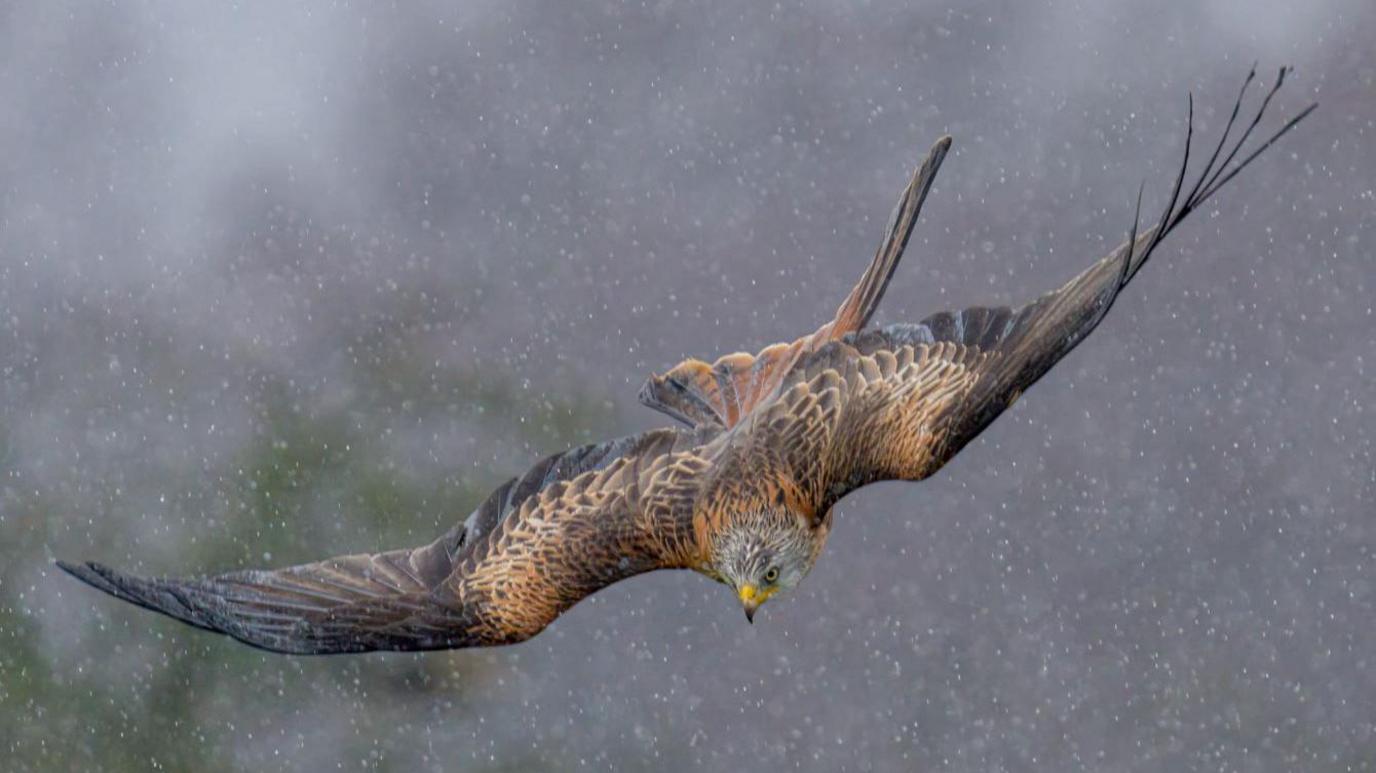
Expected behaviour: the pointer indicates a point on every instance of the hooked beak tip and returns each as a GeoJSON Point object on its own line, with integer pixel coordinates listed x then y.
{"type": "Point", "coordinates": [750, 599]}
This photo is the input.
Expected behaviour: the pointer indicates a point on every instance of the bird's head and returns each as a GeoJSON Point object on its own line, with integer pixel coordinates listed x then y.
{"type": "Point", "coordinates": [764, 554]}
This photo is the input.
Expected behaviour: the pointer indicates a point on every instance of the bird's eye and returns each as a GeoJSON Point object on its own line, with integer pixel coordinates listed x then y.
{"type": "Point", "coordinates": [771, 574]}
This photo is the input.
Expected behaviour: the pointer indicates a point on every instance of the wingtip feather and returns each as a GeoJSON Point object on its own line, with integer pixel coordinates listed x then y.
{"type": "Point", "coordinates": [91, 573]}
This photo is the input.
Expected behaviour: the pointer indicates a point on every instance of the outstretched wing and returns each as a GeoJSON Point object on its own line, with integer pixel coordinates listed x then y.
{"type": "Point", "coordinates": [721, 393]}
{"type": "Point", "coordinates": [899, 402]}
{"type": "Point", "coordinates": [574, 523]}
{"type": "Point", "coordinates": [359, 603]}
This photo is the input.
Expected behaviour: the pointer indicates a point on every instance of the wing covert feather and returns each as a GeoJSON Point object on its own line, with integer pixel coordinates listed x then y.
{"type": "Point", "coordinates": [899, 402]}
{"type": "Point", "coordinates": [574, 523]}
{"type": "Point", "coordinates": [811, 420]}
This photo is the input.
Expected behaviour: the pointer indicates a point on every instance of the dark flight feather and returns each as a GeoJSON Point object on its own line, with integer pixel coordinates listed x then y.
{"type": "Point", "coordinates": [982, 359]}
{"type": "Point", "coordinates": [397, 600]}
{"type": "Point", "coordinates": [796, 425]}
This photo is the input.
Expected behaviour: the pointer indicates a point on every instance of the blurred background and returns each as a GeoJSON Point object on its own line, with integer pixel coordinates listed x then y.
{"type": "Point", "coordinates": [284, 281]}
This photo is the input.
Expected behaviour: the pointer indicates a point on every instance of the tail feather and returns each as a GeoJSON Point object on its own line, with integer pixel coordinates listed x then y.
{"type": "Point", "coordinates": [855, 311]}
{"type": "Point", "coordinates": [720, 393]}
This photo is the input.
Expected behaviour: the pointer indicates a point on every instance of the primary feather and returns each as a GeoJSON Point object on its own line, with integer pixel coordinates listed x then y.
{"type": "Point", "coordinates": [775, 439]}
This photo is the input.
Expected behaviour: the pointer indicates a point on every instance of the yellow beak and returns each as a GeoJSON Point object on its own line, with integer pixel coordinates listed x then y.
{"type": "Point", "coordinates": [751, 600]}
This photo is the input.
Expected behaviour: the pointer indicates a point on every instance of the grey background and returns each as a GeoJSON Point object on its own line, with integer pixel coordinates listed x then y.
{"type": "Point", "coordinates": [283, 281]}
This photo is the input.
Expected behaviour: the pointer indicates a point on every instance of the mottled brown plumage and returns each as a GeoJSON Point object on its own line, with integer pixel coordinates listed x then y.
{"type": "Point", "coordinates": [742, 494]}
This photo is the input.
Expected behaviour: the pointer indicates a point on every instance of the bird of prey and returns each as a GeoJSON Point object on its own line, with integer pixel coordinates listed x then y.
{"type": "Point", "coordinates": [743, 493]}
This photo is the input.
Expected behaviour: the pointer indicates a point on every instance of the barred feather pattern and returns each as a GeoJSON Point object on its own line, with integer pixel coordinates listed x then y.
{"type": "Point", "coordinates": [774, 438]}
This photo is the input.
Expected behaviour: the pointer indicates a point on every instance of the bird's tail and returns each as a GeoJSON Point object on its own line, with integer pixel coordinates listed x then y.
{"type": "Point", "coordinates": [855, 311]}
{"type": "Point", "coordinates": [723, 392]}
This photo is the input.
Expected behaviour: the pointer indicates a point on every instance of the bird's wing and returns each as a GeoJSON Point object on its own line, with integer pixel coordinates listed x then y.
{"type": "Point", "coordinates": [574, 523]}
{"type": "Point", "coordinates": [358, 603]}
{"type": "Point", "coordinates": [720, 393]}
{"type": "Point", "coordinates": [899, 402]}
